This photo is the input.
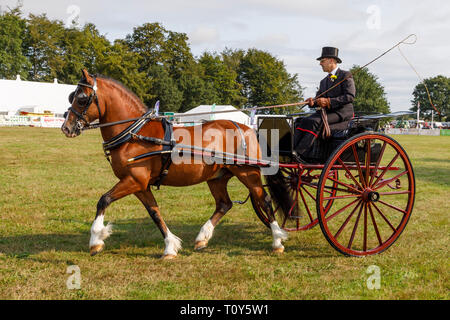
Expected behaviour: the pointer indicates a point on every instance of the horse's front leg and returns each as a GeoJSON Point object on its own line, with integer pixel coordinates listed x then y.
{"type": "Point", "coordinates": [172, 242]}
{"type": "Point", "coordinates": [99, 231]}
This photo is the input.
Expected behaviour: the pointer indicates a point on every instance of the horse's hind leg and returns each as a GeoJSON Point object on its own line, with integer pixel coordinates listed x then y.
{"type": "Point", "coordinates": [99, 231]}
{"type": "Point", "coordinates": [251, 178]}
{"type": "Point", "coordinates": [219, 191]}
{"type": "Point", "coordinates": [172, 242]}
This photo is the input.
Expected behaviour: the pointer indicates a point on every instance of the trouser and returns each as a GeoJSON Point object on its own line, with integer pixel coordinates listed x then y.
{"type": "Point", "coordinates": [307, 130]}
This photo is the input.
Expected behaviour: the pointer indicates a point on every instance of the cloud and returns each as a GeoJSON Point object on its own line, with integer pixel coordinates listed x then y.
{"type": "Point", "coordinates": [293, 31]}
{"type": "Point", "coordinates": [204, 35]}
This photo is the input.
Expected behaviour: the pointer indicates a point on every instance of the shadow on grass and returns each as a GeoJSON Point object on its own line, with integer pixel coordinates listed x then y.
{"type": "Point", "coordinates": [433, 174]}
{"type": "Point", "coordinates": [231, 239]}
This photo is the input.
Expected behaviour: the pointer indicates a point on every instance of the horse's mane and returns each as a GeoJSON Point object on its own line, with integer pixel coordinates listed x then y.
{"type": "Point", "coordinates": [142, 107]}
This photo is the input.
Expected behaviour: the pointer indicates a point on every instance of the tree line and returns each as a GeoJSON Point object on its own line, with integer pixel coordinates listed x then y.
{"type": "Point", "coordinates": [157, 64]}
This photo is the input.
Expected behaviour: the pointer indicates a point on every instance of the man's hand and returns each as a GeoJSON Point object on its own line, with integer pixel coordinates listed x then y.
{"type": "Point", "coordinates": [323, 102]}
{"type": "Point", "coordinates": [310, 102]}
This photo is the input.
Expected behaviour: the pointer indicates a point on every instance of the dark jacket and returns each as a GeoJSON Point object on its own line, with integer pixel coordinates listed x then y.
{"type": "Point", "coordinates": [342, 96]}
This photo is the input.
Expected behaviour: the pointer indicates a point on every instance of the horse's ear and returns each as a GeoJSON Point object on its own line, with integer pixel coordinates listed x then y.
{"type": "Point", "coordinates": [85, 74]}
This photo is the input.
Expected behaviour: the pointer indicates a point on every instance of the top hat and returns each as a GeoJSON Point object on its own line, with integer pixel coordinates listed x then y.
{"type": "Point", "coordinates": [330, 52]}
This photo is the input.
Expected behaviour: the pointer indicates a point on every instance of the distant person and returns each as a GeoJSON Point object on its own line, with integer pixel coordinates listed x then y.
{"type": "Point", "coordinates": [337, 102]}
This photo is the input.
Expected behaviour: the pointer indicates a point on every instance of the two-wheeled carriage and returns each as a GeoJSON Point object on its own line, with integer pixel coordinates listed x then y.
{"type": "Point", "coordinates": [360, 182]}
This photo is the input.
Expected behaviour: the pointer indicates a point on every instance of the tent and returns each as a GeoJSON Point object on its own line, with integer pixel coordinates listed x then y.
{"type": "Point", "coordinates": [18, 95]}
{"type": "Point", "coordinates": [237, 116]}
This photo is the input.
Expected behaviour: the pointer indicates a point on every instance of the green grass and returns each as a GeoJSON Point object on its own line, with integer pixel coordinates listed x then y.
{"type": "Point", "coordinates": [50, 185]}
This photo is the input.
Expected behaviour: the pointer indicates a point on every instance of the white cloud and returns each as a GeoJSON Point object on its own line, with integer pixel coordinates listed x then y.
{"type": "Point", "coordinates": [292, 30]}
{"type": "Point", "coordinates": [204, 35]}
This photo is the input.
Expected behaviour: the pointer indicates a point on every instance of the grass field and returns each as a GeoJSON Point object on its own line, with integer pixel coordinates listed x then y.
{"type": "Point", "coordinates": [50, 185]}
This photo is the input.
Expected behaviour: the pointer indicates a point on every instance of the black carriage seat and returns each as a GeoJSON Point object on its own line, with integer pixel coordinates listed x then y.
{"type": "Point", "coordinates": [340, 132]}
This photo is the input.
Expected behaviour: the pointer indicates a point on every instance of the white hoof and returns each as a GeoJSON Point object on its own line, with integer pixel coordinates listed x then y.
{"type": "Point", "coordinates": [173, 244]}
{"type": "Point", "coordinates": [278, 236]}
{"type": "Point", "coordinates": [99, 233]}
{"type": "Point", "coordinates": [205, 234]}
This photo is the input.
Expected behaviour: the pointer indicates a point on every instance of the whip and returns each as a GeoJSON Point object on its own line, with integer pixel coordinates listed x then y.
{"type": "Point", "coordinates": [302, 103]}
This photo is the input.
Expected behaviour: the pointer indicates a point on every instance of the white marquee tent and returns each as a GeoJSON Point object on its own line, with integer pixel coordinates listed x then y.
{"type": "Point", "coordinates": [237, 116]}
{"type": "Point", "coordinates": [17, 95]}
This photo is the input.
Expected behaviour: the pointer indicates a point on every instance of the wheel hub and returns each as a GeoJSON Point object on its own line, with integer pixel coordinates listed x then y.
{"type": "Point", "coordinates": [370, 196]}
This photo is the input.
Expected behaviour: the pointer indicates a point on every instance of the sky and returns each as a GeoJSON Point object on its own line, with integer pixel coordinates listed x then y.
{"type": "Point", "coordinates": [293, 31]}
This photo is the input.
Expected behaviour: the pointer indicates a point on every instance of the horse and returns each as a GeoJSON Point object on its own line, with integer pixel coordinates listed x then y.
{"type": "Point", "coordinates": [104, 99]}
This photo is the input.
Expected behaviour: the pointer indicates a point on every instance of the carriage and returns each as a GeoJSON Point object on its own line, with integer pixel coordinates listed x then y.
{"type": "Point", "coordinates": [358, 185]}
{"type": "Point", "coordinates": [360, 182]}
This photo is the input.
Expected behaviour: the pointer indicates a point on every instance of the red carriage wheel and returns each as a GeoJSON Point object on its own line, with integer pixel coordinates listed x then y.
{"type": "Point", "coordinates": [302, 186]}
{"type": "Point", "coordinates": [375, 195]}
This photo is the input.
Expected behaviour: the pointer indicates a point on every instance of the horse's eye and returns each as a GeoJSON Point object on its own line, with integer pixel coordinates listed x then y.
{"type": "Point", "coordinates": [71, 97]}
{"type": "Point", "coordinates": [65, 114]}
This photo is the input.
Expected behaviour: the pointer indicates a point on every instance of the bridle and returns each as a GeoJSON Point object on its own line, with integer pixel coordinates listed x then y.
{"type": "Point", "coordinates": [81, 116]}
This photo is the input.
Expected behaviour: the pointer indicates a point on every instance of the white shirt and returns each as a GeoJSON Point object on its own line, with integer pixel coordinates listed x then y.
{"type": "Point", "coordinates": [334, 71]}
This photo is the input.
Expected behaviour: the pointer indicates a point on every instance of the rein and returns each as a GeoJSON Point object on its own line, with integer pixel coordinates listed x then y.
{"type": "Point", "coordinates": [152, 115]}
{"type": "Point", "coordinates": [180, 115]}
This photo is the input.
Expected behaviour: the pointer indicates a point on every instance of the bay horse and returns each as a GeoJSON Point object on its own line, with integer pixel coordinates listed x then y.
{"type": "Point", "coordinates": [105, 99]}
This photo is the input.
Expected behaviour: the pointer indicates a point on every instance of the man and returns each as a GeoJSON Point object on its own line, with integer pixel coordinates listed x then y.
{"type": "Point", "coordinates": [337, 102]}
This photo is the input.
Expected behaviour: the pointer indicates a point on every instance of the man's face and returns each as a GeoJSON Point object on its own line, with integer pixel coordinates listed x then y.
{"type": "Point", "coordinates": [328, 64]}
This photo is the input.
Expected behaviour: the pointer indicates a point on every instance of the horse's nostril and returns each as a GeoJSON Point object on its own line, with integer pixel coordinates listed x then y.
{"type": "Point", "coordinates": [65, 130]}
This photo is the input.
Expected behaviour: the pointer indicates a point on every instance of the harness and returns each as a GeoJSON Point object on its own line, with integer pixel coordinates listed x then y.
{"type": "Point", "coordinates": [132, 131]}
{"type": "Point", "coordinates": [92, 97]}
{"type": "Point", "coordinates": [129, 133]}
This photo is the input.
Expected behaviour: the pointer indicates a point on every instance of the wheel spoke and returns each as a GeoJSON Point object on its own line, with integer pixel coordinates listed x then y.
{"type": "Point", "coordinates": [343, 184]}
{"type": "Point", "coordinates": [385, 182]}
{"type": "Point", "coordinates": [343, 197]}
{"type": "Point", "coordinates": [386, 169]}
{"type": "Point", "coordinates": [312, 197]}
{"type": "Point", "coordinates": [355, 155]}
{"type": "Point", "coordinates": [354, 228]}
{"type": "Point", "coordinates": [384, 218]}
{"type": "Point", "coordinates": [378, 163]}
{"type": "Point", "coordinates": [306, 206]}
{"type": "Point", "coordinates": [368, 143]}
{"type": "Point", "coordinates": [375, 225]}
{"type": "Point", "coordinates": [349, 173]}
{"type": "Point", "coordinates": [347, 220]}
{"type": "Point", "coordinates": [365, 228]}
{"type": "Point", "coordinates": [393, 207]}
{"type": "Point", "coordinates": [394, 192]}
{"type": "Point", "coordinates": [340, 210]}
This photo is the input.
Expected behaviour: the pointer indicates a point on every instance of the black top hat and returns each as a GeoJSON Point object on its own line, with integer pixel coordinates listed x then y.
{"type": "Point", "coordinates": [330, 52]}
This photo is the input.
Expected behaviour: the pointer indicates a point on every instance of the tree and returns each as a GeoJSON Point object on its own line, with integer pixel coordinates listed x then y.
{"type": "Point", "coordinates": [195, 90]}
{"type": "Point", "coordinates": [44, 47]}
{"type": "Point", "coordinates": [232, 58]}
{"type": "Point", "coordinates": [85, 48]}
{"type": "Point", "coordinates": [12, 32]}
{"type": "Point", "coordinates": [156, 45]}
{"type": "Point", "coordinates": [266, 82]}
{"type": "Point", "coordinates": [222, 79]}
{"type": "Point", "coordinates": [439, 88]}
{"type": "Point", "coordinates": [370, 95]}
{"type": "Point", "coordinates": [119, 63]}
{"type": "Point", "coordinates": [165, 89]}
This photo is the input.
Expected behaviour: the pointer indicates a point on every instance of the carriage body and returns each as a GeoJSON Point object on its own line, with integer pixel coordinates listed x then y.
{"type": "Point", "coordinates": [358, 185]}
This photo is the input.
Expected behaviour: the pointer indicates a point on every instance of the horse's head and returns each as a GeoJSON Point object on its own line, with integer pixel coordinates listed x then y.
{"type": "Point", "coordinates": [81, 113]}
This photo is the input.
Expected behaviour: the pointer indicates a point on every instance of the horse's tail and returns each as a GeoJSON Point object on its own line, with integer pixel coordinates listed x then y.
{"type": "Point", "coordinates": [281, 194]}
